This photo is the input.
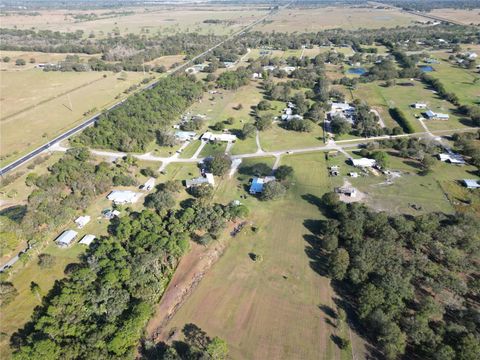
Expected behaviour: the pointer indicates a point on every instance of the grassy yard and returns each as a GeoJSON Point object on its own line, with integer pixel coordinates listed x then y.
{"type": "Point", "coordinates": [270, 309]}
{"type": "Point", "coordinates": [278, 138]}
{"type": "Point", "coordinates": [45, 104]}
{"type": "Point", "coordinates": [189, 151]}
{"type": "Point", "coordinates": [212, 148]}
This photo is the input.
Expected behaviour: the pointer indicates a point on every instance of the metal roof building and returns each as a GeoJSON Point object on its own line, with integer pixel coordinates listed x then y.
{"type": "Point", "coordinates": [87, 239]}
{"type": "Point", "coordinates": [66, 238]}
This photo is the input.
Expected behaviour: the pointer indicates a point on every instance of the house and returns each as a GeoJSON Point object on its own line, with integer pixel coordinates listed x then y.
{"type": "Point", "coordinates": [436, 116]}
{"type": "Point", "coordinates": [149, 184]}
{"type": "Point", "coordinates": [288, 69]}
{"type": "Point", "coordinates": [471, 183]}
{"type": "Point", "coordinates": [185, 135]}
{"type": "Point", "coordinates": [340, 107]}
{"type": "Point", "coordinates": [288, 111]}
{"type": "Point", "coordinates": [82, 221]}
{"type": "Point", "coordinates": [228, 64]}
{"type": "Point", "coordinates": [207, 179]}
{"type": "Point", "coordinates": [66, 238]}
{"type": "Point", "coordinates": [123, 196]}
{"type": "Point", "coordinates": [208, 136]}
{"type": "Point", "coordinates": [353, 174]}
{"type": "Point", "coordinates": [257, 184]}
{"type": "Point", "coordinates": [87, 239]}
{"type": "Point", "coordinates": [334, 170]}
{"type": "Point", "coordinates": [363, 162]}
{"type": "Point", "coordinates": [110, 214]}
{"type": "Point", "coordinates": [269, 67]}
{"type": "Point", "coordinates": [346, 190]}
{"type": "Point", "coordinates": [419, 106]}
{"type": "Point", "coordinates": [286, 117]}
{"type": "Point", "coordinates": [471, 55]}
{"type": "Point", "coordinates": [452, 158]}
{"type": "Point", "coordinates": [256, 76]}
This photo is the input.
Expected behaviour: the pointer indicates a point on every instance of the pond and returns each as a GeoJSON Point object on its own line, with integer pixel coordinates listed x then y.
{"type": "Point", "coordinates": [427, 68]}
{"type": "Point", "coordinates": [356, 71]}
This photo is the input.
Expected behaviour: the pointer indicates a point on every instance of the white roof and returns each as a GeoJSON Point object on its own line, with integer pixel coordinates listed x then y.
{"type": "Point", "coordinates": [363, 162]}
{"type": "Point", "coordinates": [185, 135]}
{"type": "Point", "coordinates": [340, 106]}
{"type": "Point", "coordinates": [123, 196]}
{"type": "Point", "coordinates": [210, 178]}
{"type": "Point", "coordinates": [150, 183]}
{"type": "Point", "coordinates": [269, 67]}
{"type": "Point", "coordinates": [82, 220]}
{"type": "Point", "coordinates": [66, 238]}
{"type": "Point", "coordinates": [87, 239]}
{"type": "Point", "coordinates": [452, 158]}
{"type": "Point", "coordinates": [208, 136]}
{"type": "Point", "coordinates": [471, 183]}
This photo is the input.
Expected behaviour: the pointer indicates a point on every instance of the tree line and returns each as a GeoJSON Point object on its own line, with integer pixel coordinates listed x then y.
{"type": "Point", "coordinates": [413, 282]}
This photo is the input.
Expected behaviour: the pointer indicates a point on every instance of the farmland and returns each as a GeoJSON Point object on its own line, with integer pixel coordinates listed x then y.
{"type": "Point", "coordinates": [464, 16]}
{"type": "Point", "coordinates": [37, 105]}
{"type": "Point", "coordinates": [158, 20]}
{"type": "Point", "coordinates": [315, 19]}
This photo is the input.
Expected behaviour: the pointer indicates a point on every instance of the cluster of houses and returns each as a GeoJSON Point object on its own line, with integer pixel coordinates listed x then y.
{"type": "Point", "coordinates": [288, 114]}
{"type": "Point", "coordinates": [429, 114]}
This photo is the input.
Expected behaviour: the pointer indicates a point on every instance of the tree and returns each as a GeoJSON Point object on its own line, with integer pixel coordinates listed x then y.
{"type": "Point", "coordinates": [381, 157]}
{"type": "Point", "coordinates": [219, 164]}
{"type": "Point", "coordinates": [264, 122]}
{"type": "Point", "coordinates": [329, 242]}
{"type": "Point", "coordinates": [283, 172]}
{"type": "Point", "coordinates": [46, 261]}
{"type": "Point", "coordinates": [166, 138]}
{"type": "Point", "coordinates": [340, 125]}
{"type": "Point", "coordinates": [217, 349]}
{"type": "Point", "coordinates": [7, 293]}
{"type": "Point", "coordinates": [20, 62]}
{"type": "Point", "coordinates": [6, 59]}
{"type": "Point", "coordinates": [316, 113]}
{"type": "Point", "coordinates": [160, 201]}
{"type": "Point", "coordinates": [264, 105]}
{"type": "Point", "coordinates": [248, 130]}
{"type": "Point", "coordinates": [427, 162]}
{"type": "Point", "coordinates": [149, 172]}
{"type": "Point", "coordinates": [202, 191]}
{"type": "Point", "coordinates": [338, 263]}
{"type": "Point", "coordinates": [468, 348]}
{"type": "Point", "coordinates": [299, 125]}
{"type": "Point", "coordinates": [219, 126]}
{"type": "Point", "coordinates": [392, 340]}
{"type": "Point", "coordinates": [32, 60]}
{"type": "Point", "coordinates": [273, 190]}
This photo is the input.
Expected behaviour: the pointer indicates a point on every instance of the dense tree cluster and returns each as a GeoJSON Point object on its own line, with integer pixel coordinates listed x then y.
{"type": "Point", "coordinates": [232, 80]}
{"type": "Point", "coordinates": [413, 281]}
{"type": "Point", "coordinates": [133, 125]}
{"type": "Point", "coordinates": [468, 144]}
{"type": "Point", "coordinates": [101, 308]}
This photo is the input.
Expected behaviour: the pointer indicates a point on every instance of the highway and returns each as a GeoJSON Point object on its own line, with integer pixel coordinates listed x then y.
{"type": "Point", "coordinates": [15, 164]}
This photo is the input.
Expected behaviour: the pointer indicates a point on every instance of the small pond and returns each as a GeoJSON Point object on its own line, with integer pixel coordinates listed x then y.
{"type": "Point", "coordinates": [356, 71]}
{"type": "Point", "coordinates": [427, 68]}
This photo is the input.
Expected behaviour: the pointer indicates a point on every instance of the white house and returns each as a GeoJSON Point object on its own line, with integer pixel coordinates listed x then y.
{"type": "Point", "coordinates": [185, 135]}
{"type": "Point", "coordinates": [207, 179]}
{"type": "Point", "coordinates": [286, 117]}
{"type": "Point", "coordinates": [87, 239]}
{"type": "Point", "coordinates": [363, 162]}
{"type": "Point", "coordinates": [471, 55]}
{"type": "Point", "coordinates": [82, 221]}
{"type": "Point", "coordinates": [66, 238]}
{"type": "Point", "coordinates": [452, 158]}
{"type": "Point", "coordinates": [288, 69]}
{"type": "Point", "coordinates": [208, 136]}
{"type": "Point", "coordinates": [123, 196]}
{"type": "Point", "coordinates": [336, 107]}
{"type": "Point", "coordinates": [436, 116]}
{"type": "Point", "coordinates": [471, 183]}
{"type": "Point", "coordinates": [149, 184]}
{"type": "Point", "coordinates": [256, 76]}
{"type": "Point", "coordinates": [269, 67]}
{"type": "Point", "coordinates": [419, 106]}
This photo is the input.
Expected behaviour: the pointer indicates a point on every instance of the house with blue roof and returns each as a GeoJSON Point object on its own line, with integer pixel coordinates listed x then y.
{"type": "Point", "coordinates": [258, 183]}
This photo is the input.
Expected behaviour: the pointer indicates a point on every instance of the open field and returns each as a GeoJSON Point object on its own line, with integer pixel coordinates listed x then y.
{"type": "Point", "coordinates": [39, 57]}
{"type": "Point", "coordinates": [278, 138]}
{"type": "Point", "coordinates": [467, 17]}
{"type": "Point", "coordinates": [270, 309]}
{"type": "Point", "coordinates": [37, 105]}
{"type": "Point", "coordinates": [152, 20]}
{"type": "Point", "coordinates": [459, 81]}
{"type": "Point", "coordinates": [319, 18]}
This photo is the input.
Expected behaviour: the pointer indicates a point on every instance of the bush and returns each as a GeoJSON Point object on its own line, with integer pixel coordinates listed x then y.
{"type": "Point", "coordinates": [203, 191]}
{"type": "Point", "coordinates": [219, 164]}
{"type": "Point", "coordinates": [149, 172]}
{"type": "Point", "coordinates": [402, 120]}
{"type": "Point", "coordinates": [7, 293]}
{"type": "Point", "coordinates": [46, 261]}
{"type": "Point", "coordinates": [273, 191]}
{"type": "Point", "coordinates": [20, 62]}
{"type": "Point", "coordinates": [283, 172]}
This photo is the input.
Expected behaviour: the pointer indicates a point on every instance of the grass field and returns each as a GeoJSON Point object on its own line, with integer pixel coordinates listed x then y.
{"type": "Point", "coordinates": [459, 81]}
{"type": "Point", "coordinates": [270, 309]}
{"type": "Point", "coordinates": [319, 18]}
{"type": "Point", "coordinates": [278, 138]}
{"type": "Point", "coordinates": [39, 57]}
{"type": "Point", "coordinates": [164, 20]}
{"type": "Point", "coordinates": [36, 105]}
{"type": "Point", "coordinates": [467, 17]}
{"type": "Point", "coordinates": [382, 98]}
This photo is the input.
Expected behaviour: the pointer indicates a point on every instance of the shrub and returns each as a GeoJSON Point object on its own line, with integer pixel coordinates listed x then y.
{"type": "Point", "coordinates": [46, 261]}
{"type": "Point", "coordinates": [402, 120]}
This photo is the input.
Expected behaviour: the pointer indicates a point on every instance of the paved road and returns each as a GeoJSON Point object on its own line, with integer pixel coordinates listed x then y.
{"type": "Point", "coordinates": [94, 118]}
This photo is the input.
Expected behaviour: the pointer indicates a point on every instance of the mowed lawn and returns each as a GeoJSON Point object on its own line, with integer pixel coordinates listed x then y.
{"type": "Point", "coordinates": [45, 104]}
{"type": "Point", "coordinates": [270, 309]}
{"type": "Point", "coordinates": [278, 138]}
